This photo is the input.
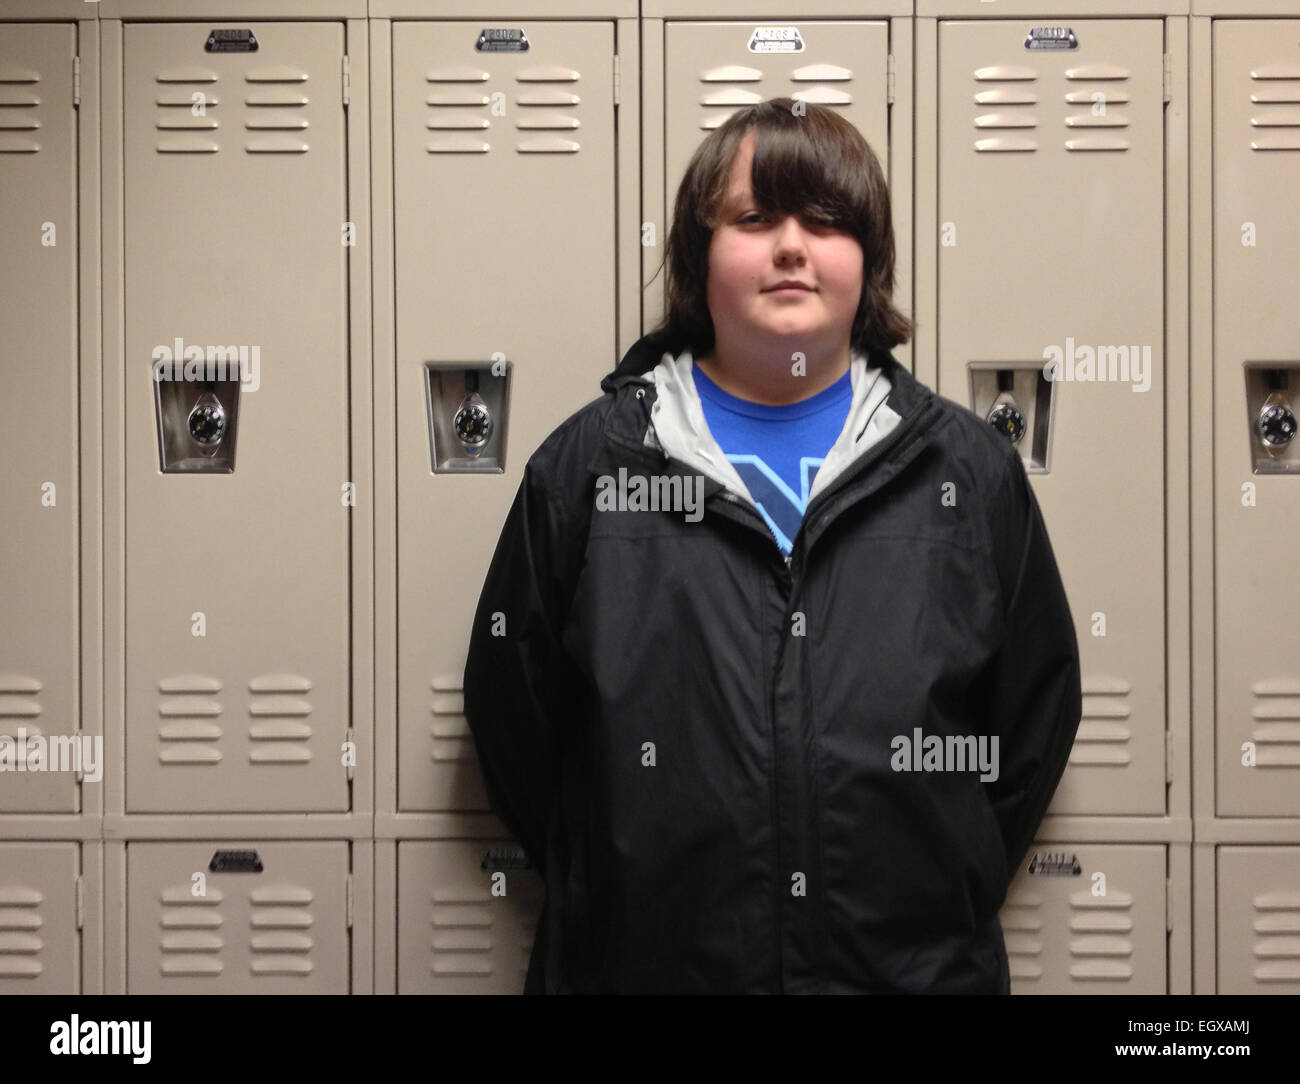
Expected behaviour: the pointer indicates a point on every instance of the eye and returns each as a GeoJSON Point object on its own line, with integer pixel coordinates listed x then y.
{"type": "Point", "coordinates": [753, 214]}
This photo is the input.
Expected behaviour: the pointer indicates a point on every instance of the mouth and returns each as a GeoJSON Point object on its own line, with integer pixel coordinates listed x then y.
{"type": "Point", "coordinates": [791, 287]}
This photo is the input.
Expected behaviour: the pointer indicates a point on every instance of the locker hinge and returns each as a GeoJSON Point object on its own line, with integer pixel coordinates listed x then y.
{"type": "Point", "coordinates": [348, 896]}
{"type": "Point", "coordinates": [618, 79]}
{"type": "Point", "coordinates": [76, 80]}
{"type": "Point", "coordinates": [1169, 77]}
{"type": "Point", "coordinates": [1169, 756]}
{"type": "Point", "coordinates": [889, 78]}
{"type": "Point", "coordinates": [347, 79]}
{"type": "Point", "coordinates": [81, 903]}
{"type": "Point", "coordinates": [348, 737]}
{"type": "Point", "coordinates": [1169, 905]}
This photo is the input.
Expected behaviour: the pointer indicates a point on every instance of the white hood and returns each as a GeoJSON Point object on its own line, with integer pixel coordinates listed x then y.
{"type": "Point", "coordinates": [678, 427]}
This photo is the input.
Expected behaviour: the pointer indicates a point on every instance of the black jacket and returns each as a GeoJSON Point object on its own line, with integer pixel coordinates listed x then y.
{"type": "Point", "coordinates": [696, 740]}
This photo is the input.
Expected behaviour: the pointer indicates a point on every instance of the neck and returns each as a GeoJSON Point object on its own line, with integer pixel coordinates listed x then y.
{"type": "Point", "coordinates": [774, 376]}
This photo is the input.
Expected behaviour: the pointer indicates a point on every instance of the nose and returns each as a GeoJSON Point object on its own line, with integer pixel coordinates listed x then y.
{"type": "Point", "coordinates": [790, 241]}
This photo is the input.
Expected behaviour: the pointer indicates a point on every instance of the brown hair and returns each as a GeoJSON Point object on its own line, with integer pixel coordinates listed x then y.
{"type": "Point", "coordinates": [814, 164]}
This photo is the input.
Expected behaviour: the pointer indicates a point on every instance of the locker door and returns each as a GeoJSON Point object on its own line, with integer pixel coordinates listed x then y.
{"type": "Point", "coordinates": [1257, 493]}
{"type": "Point", "coordinates": [39, 491]}
{"type": "Point", "coordinates": [1087, 920]}
{"type": "Point", "coordinates": [243, 917]}
{"type": "Point", "coordinates": [40, 940]}
{"type": "Point", "coordinates": [504, 186]}
{"type": "Point", "coordinates": [1258, 919]}
{"type": "Point", "coordinates": [1051, 171]}
{"type": "Point", "coordinates": [713, 69]}
{"type": "Point", "coordinates": [236, 581]}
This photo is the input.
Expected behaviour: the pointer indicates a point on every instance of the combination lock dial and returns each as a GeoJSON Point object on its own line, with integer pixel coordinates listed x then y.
{"type": "Point", "coordinates": [1276, 425]}
{"type": "Point", "coordinates": [1007, 420]}
{"type": "Point", "coordinates": [473, 424]}
{"type": "Point", "coordinates": [207, 421]}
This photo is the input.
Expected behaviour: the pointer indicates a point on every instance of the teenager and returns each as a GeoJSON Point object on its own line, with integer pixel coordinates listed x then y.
{"type": "Point", "coordinates": [773, 674]}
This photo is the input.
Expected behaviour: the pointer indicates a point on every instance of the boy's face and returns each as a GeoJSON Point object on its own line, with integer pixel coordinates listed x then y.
{"type": "Point", "coordinates": [751, 252]}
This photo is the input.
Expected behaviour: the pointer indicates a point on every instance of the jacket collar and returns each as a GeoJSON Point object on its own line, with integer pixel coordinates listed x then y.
{"type": "Point", "coordinates": [884, 393]}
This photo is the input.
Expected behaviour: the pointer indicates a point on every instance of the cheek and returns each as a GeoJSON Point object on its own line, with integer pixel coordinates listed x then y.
{"type": "Point", "coordinates": [844, 277]}
{"type": "Point", "coordinates": [732, 273]}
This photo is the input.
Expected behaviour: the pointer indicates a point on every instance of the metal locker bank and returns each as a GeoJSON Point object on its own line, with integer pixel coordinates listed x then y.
{"type": "Point", "coordinates": [293, 291]}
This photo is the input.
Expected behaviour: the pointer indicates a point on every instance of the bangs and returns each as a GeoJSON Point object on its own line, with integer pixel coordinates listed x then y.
{"type": "Point", "coordinates": [794, 173]}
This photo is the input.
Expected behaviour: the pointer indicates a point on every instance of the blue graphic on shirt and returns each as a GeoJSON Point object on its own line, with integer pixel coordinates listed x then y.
{"type": "Point", "coordinates": [776, 450]}
{"type": "Point", "coordinates": [777, 502]}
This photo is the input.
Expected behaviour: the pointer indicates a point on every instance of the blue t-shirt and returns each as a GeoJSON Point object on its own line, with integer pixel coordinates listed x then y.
{"type": "Point", "coordinates": [776, 450]}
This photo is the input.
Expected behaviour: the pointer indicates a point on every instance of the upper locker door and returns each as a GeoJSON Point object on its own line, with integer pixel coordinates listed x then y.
{"type": "Point", "coordinates": [237, 583]}
{"type": "Point", "coordinates": [504, 186]}
{"type": "Point", "coordinates": [38, 411]}
{"type": "Point", "coordinates": [1256, 369]}
{"type": "Point", "coordinates": [713, 69]}
{"type": "Point", "coordinates": [1051, 217]}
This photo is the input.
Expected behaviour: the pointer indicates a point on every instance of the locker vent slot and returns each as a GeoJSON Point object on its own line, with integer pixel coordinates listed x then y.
{"type": "Point", "coordinates": [20, 923]}
{"type": "Point", "coordinates": [1104, 733]}
{"type": "Point", "coordinates": [462, 939]}
{"type": "Point", "coordinates": [1277, 942]}
{"type": "Point", "coordinates": [720, 104]}
{"type": "Point", "coordinates": [821, 73]}
{"type": "Point", "coordinates": [276, 111]}
{"type": "Point", "coordinates": [1275, 105]}
{"type": "Point", "coordinates": [281, 734]}
{"type": "Point", "coordinates": [189, 733]}
{"type": "Point", "coordinates": [281, 918]}
{"type": "Point", "coordinates": [191, 943]}
{"type": "Point", "coordinates": [1015, 108]}
{"type": "Point", "coordinates": [19, 705]}
{"type": "Point", "coordinates": [18, 110]}
{"type": "Point", "coordinates": [1099, 112]}
{"type": "Point", "coordinates": [449, 733]}
{"type": "Point", "coordinates": [817, 74]}
{"type": "Point", "coordinates": [189, 111]}
{"type": "Point", "coordinates": [1022, 929]}
{"type": "Point", "coordinates": [1276, 732]}
{"type": "Point", "coordinates": [1103, 949]}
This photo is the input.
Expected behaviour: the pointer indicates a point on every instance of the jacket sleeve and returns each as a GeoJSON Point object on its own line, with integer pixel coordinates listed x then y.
{"type": "Point", "coordinates": [1036, 700]}
{"type": "Point", "coordinates": [516, 674]}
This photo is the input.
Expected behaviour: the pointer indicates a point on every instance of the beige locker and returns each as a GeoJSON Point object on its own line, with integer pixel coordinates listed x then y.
{"type": "Point", "coordinates": [1257, 486]}
{"type": "Point", "coordinates": [238, 917]}
{"type": "Point", "coordinates": [1050, 215]}
{"type": "Point", "coordinates": [39, 445]}
{"type": "Point", "coordinates": [237, 515]}
{"type": "Point", "coordinates": [504, 186]}
{"type": "Point", "coordinates": [467, 916]}
{"type": "Point", "coordinates": [1258, 920]}
{"type": "Point", "coordinates": [40, 936]}
{"type": "Point", "coordinates": [1087, 920]}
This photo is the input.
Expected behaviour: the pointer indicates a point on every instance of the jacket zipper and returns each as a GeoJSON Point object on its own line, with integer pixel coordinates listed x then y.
{"type": "Point", "coordinates": [747, 515]}
{"type": "Point", "coordinates": [892, 444]}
